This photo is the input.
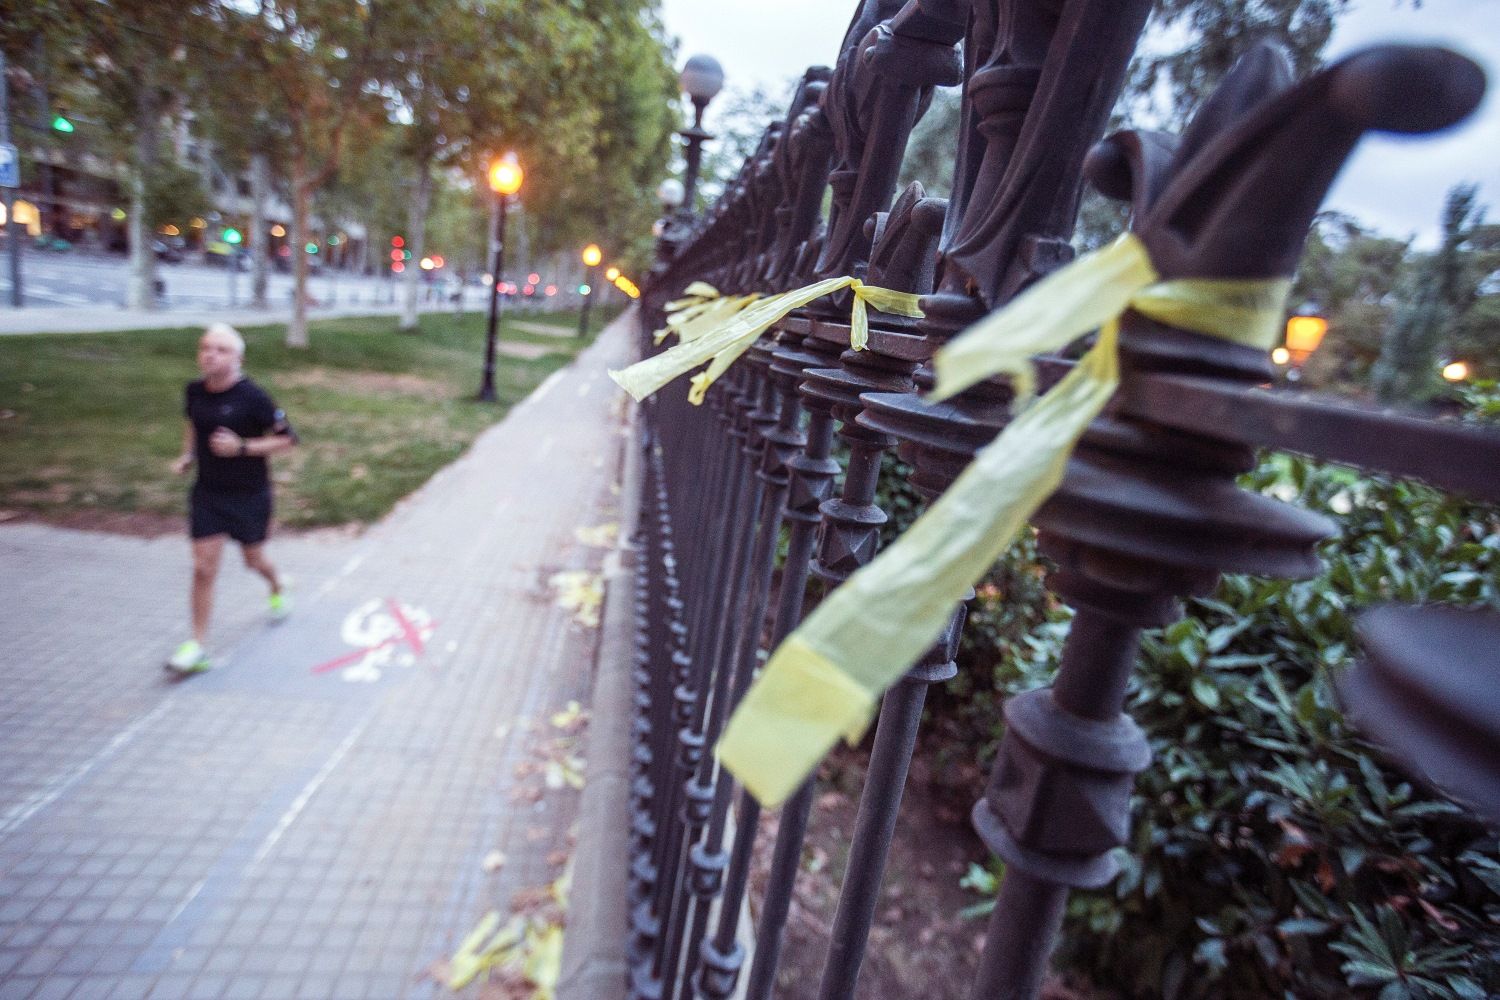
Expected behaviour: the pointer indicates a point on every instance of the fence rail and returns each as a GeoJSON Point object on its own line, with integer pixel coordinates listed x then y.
{"type": "Point", "coordinates": [1147, 513]}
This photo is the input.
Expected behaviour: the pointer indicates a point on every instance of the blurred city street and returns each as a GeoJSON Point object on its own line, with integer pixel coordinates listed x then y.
{"type": "Point", "coordinates": [329, 810]}
{"type": "Point", "coordinates": [76, 278]}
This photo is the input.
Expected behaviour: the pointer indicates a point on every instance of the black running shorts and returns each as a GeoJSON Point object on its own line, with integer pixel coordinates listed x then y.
{"type": "Point", "coordinates": [243, 516]}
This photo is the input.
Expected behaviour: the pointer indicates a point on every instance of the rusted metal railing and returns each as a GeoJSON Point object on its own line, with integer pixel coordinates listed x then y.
{"type": "Point", "coordinates": [1148, 513]}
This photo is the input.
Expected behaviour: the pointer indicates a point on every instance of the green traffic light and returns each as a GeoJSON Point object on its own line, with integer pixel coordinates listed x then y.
{"type": "Point", "coordinates": [311, 248]}
{"type": "Point", "coordinates": [232, 236]}
{"type": "Point", "coordinates": [61, 124]}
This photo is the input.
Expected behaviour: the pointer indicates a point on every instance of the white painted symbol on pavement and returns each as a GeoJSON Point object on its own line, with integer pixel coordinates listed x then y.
{"type": "Point", "coordinates": [386, 633]}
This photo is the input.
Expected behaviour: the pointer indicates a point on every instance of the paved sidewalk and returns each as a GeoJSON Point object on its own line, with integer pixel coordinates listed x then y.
{"type": "Point", "coordinates": [306, 820]}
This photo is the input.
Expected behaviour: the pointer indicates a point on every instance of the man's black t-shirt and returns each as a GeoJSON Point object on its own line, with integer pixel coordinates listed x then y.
{"type": "Point", "coordinates": [244, 408]}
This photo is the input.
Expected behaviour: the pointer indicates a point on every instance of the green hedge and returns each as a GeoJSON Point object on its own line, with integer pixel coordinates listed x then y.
{"type": "Point", "coordinates": [1274, 853]}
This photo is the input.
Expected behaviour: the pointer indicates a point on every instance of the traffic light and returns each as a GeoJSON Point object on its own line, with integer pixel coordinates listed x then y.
{"type": "Point", "coordinates": [61, 124]}
{"type": "Point", "coordinates": [397, 242]}
{"type": "Point", "coordinates": [233, 237]}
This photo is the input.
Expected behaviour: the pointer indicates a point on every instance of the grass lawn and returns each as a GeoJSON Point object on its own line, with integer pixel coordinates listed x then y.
{"type": "Point", "coordinates": [89, 423]}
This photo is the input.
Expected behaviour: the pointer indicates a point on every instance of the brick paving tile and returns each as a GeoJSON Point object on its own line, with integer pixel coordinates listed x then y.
{"type": "Point", "coordinates": [310, 817]}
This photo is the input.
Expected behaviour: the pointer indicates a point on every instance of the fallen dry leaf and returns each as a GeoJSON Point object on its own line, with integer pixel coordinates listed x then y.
{"type": "Point", "coordinates": [570, 718]}
{"type": "Point", "coordinates": [600, 536]}
{"type": "Point", "coordinates": [581, 592]}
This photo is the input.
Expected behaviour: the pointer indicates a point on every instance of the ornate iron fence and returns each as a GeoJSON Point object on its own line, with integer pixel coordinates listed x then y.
{"type": "Point", "coordinates": [1147, 513]}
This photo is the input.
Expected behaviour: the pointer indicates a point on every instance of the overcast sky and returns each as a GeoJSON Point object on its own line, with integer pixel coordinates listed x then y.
{"type": "Point", "coordinates": [1394, 184]}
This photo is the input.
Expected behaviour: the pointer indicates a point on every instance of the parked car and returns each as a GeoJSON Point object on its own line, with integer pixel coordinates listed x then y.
{"type": "Point", "coordinates": [169, 249]}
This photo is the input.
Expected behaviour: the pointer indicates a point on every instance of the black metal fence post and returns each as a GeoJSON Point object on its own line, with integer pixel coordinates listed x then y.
{"type": "Point", "coordinates": [1148, 512]}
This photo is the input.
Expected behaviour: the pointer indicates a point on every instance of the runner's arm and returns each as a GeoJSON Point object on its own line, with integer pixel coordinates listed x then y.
{"type": "Point", "coordinates": [185, 460]}
{"type": "Point", "coordinates": [227, 444]}
{"type": "Point", "coordinates": [271, 444]}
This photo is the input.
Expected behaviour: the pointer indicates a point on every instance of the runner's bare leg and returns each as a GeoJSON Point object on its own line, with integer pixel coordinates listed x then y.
{"type": "Point", "coordinates": [206, 553]}
{"type": "Point", "coordinates": [255, 558]}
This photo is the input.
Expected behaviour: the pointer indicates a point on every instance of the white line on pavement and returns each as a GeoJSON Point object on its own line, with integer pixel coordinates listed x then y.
{"type": "Point", "coordinates": [546, 386]}
{"type": "Point", "coordinates": [50, 792]}
{"type": "Point", "coordinates": [308, 791]}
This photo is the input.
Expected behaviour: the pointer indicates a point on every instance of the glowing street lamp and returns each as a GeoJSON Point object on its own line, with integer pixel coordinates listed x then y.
{"type": "Point", "coordinates": [1456, 371]}
{"type": "Point", "coordinates": [1304, 332]}
{"type": "Point", "coordinates": [505, 176]}
{"type": "Point", "coordinates": [592, 255]}
{"type": "Point", "coordinates": [610, 274]}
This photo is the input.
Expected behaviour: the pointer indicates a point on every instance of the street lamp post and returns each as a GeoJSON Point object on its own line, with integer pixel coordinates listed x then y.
{"type": "Point", "coordinates": [592, 255]}
{"type": "Point", "coordinates": [1304, 332]}
{"type": "Point", "coordinates": [701, 78]}
{"type": "Point", "coordinates": [505, 180]}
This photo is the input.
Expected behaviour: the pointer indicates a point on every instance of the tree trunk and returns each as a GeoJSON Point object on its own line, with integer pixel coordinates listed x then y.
{"type": "Point", "coordinates": [260, 233]}
{"type": "Point", "coordinates": [296, 331]}
{"type": "Point", "coordinates": [416, 238]}
{"type": "Point", "coordinates": [140, 287]}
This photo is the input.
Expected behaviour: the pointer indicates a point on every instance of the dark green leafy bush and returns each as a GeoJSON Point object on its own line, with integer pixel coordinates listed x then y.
{"type": "Point", "coordinates": [1274, 852]}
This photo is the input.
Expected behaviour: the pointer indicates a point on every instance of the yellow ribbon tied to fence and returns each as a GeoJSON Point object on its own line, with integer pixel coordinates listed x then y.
{"type": "Point", "coordinates": [824, 680]}
{"type": "Point", "coordinates": [698, 291]}
{"type": "Point", "coordinates": [720, 337]}
{"type": "Point", "coordinates": [694, 321]}
{"type": "Point", "coordinates": [697, 299]}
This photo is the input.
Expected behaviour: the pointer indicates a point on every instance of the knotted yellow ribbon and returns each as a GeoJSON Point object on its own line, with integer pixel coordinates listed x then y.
{"type": "Point", "coordinates": [694, 321]}
{"type": "Point", "coordinates": [694, 293]}
{"type": "Point", "coordinates": [721, 343]}
{"type": "Point", "coordinates": [822, 682]}
{"type": "Point", "coordinates": [697, 298]}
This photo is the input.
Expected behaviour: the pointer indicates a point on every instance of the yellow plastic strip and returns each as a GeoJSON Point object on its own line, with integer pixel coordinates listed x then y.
{"type": "Point", "coordinates": [705, 339]}
{"type": "Point", "coordinates": [699, 384]}
{"type": "Point", "coordinates": [692, 323]}
{"type": "Point", "coordinates": [794, 708]}
{"type": "Point", "coordinates": [693, 293]}
{"type": "Point", "coordinates": [1244, 311]}
{"type": "Point", "coordinates": [869, 631]}
{"type": "Point", "coordinates": [886, 300]}
{"type": "Point", "coordinates": [1047, 316]}
{"type": "Point", "coordinates": [645, 377]}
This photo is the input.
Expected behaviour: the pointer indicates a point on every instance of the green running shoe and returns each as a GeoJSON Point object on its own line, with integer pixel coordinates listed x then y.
{"type": "Point", "coordinates": [280, 605]}
{"type": "Point", "coordinates": [189, 658]}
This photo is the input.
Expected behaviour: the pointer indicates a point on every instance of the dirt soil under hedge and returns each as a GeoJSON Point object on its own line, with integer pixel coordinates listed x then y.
{"type": "Point", "coordinates": [920, 946]}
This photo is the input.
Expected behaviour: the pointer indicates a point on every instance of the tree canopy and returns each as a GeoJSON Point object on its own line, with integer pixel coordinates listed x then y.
{"type": "Point", "coordinates": [362, 105]}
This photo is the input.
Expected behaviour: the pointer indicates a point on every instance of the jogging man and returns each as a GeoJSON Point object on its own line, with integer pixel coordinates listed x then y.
{"type": "Point", "coordinates": [232, 426]}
